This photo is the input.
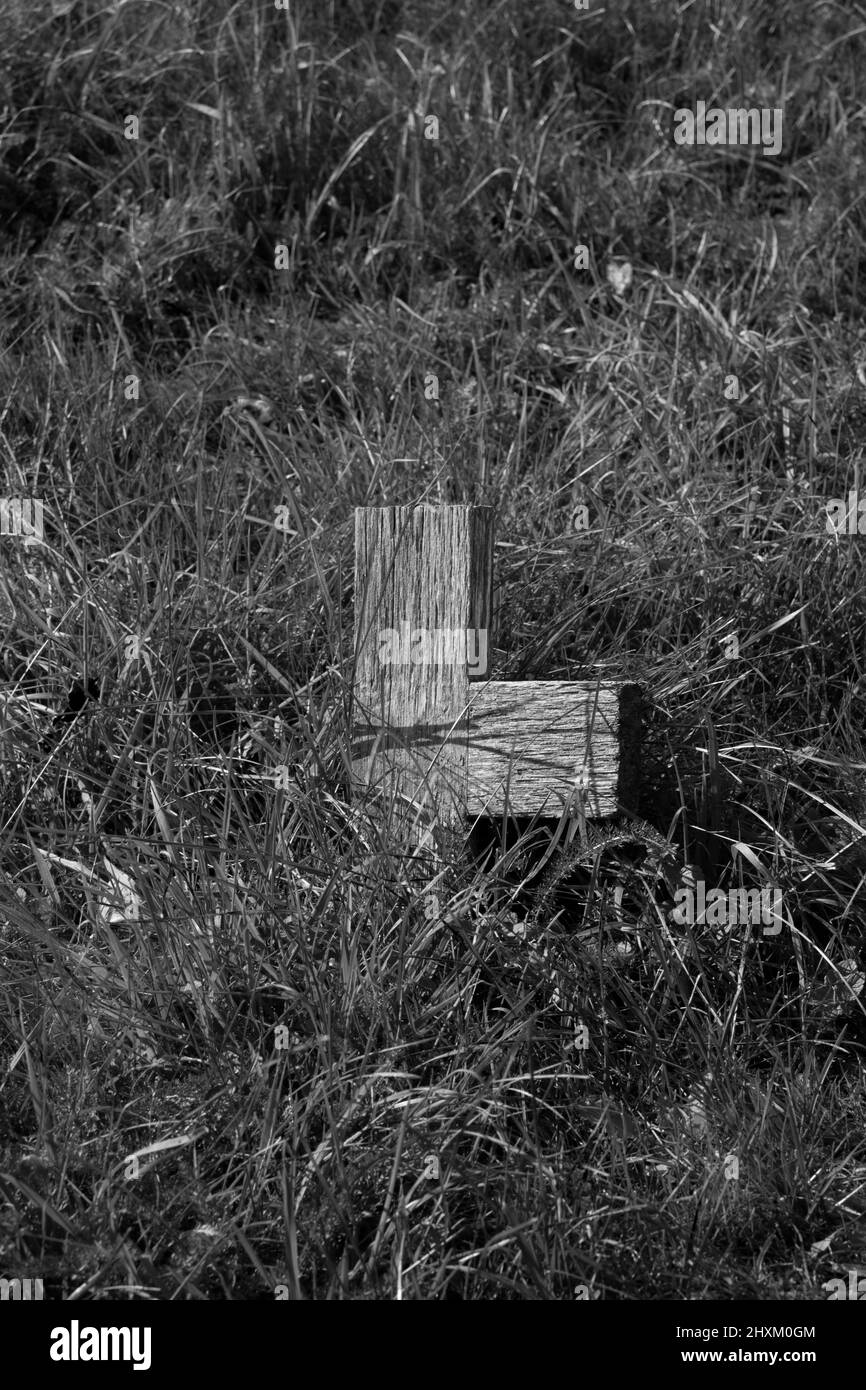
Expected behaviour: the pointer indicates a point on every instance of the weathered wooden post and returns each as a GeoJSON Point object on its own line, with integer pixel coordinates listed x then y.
{"type": "Point", "coordinates": [430, 731]}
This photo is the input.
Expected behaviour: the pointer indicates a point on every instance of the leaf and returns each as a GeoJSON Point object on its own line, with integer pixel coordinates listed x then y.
{"type": "Point", "coordinates": [619, 276]}
{"type": "Point", "coordinates": [204, 110]}
{"type": "Point", "coordinates": [117, 900]}
{"type": "Point", "coordinates": [819, 1246]}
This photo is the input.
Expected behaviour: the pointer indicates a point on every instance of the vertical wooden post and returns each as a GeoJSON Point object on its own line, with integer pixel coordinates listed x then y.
{"type": "Point", "coordinates": [419, 570]}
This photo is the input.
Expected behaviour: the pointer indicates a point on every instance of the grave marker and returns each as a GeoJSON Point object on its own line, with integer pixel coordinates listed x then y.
{"type": "Point", "coordinates": [430, 731]}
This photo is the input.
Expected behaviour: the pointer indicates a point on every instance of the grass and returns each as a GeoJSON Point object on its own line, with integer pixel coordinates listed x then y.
{"type": "Point", "coordinates": [247, 1055]}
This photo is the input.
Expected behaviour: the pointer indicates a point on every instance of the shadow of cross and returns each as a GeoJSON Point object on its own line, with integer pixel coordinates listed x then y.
{"type": "Point", "coordinates": [432, 736]}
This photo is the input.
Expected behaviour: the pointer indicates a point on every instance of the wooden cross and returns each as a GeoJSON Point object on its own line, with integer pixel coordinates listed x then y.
{"type": "Point", "coordinates": [430, 731]}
